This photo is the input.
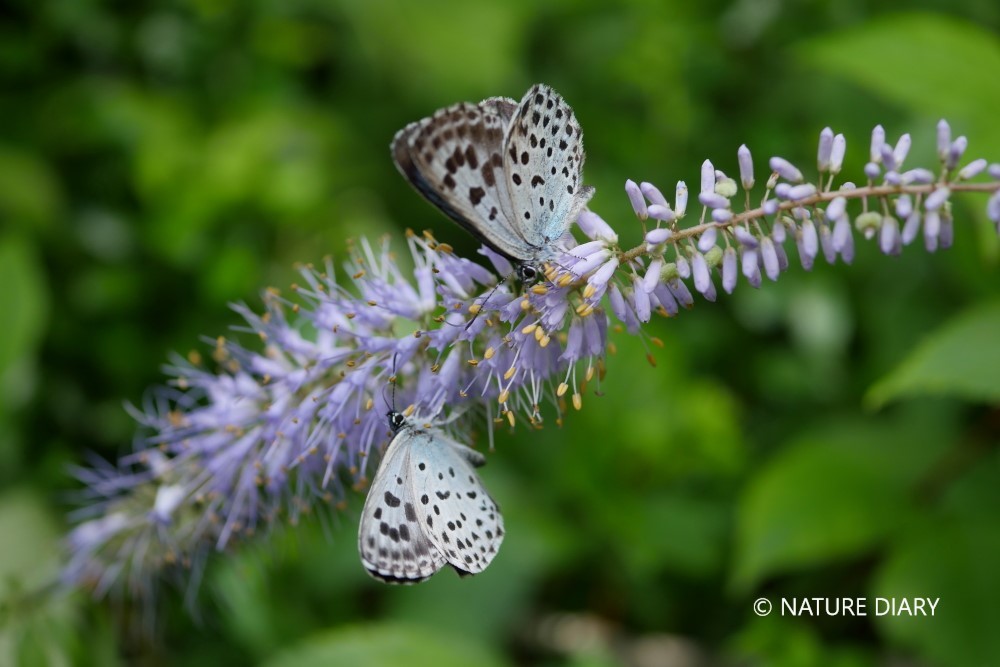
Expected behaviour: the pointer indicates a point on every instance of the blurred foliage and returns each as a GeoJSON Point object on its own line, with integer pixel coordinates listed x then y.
{"type": "Point", "coordinates": [158, 162]}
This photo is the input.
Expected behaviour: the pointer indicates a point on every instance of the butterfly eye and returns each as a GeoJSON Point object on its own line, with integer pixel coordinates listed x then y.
{"type": "Point", "coordinates": [527, 273]}
{"type": "Point", "coordinates": [396, 420]}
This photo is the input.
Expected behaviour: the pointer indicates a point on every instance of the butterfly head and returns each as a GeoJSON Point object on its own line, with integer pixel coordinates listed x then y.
{"type": "Point", "coordinates": [527, 273]}
{"type": "Point", "coordinates": [396, 420]}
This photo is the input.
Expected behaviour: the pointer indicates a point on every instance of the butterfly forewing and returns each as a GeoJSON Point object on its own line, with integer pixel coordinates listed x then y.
{"type": "Point", "coordinates": [455, 160]}
{"type": "Point", "coordinates": [427, 507]}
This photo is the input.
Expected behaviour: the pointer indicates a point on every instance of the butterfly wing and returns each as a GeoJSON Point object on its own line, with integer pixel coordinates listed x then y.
{"type": "Point", "coordinates": [543, 161]}
{"type": "Point", "coordinates": [460, 518]}
{"type": "Point", "coordinates": [393, 545]}
{"type": "Point", "coordinates": [454, 159]}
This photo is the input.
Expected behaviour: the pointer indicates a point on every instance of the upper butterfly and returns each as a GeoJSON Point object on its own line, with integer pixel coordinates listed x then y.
{"type": "Point", "coordinates": [509, 173]}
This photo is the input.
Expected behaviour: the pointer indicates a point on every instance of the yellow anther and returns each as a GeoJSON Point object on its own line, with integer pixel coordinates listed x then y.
{"type": "Point", "coordinates": [488, 354]}
{"type": "Point", "coordinates": [589, 291]}
{"type": "Point", "coordinates": [540, 290]}
{"type": "Point", "coordinates": [561, 390]}
{"type": "Point", "coordinates": [474, 308]}
{"type": "Point", "coordinates": [529, 329]}
{"type": "Point", "coordinates": [577, 401]}
{"type": "Point", "coordinates": [510, 373]}
{"type": "Point", "coordinates": [504, 395]}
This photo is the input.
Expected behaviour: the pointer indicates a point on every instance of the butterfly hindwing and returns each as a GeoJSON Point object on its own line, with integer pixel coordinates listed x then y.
{"type": "Point", "coordinates": [392, 543]}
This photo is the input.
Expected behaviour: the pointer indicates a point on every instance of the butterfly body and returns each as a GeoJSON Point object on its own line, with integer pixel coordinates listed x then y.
{"type": "Point", "coordinates": [427, 508]}
{"type": "Point", "coordinates": [508, 172]}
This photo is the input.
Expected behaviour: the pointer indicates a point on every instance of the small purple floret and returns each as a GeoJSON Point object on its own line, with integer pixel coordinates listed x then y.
{"type": "Point", "coordinates": [785, 169]}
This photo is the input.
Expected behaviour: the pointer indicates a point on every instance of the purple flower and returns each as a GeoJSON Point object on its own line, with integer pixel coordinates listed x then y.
{"type": "Point", "coordinates": [770, 258]}
{"type": "Point", "coordinates": [785, 169]}
{"type": "Point", "coordinates": [919, 175]}
{"type": "Point", "coordinates": [748, 261]}
{"type": "Point", "coordinates": [825, 150]}
{"type": "Point", "coordinates": [745, 238]}
{"type": "Point", "coordinates": [653, 194]}
{"type": "Point", "coordinates": [662, 213]}
{"type": "Point", "coordinates": [890, 241]}
{"type": "Point", "coordinates": [911, 227]}
{"type": "Point", "coordinates": [972, 169]}
{"type": "Point", "coordinates": [936, 199]}
{"type": "Point", "coordinates": [837, 154]}
{"type": "Point", "coordinates": [802, 191]}
{"type": "Point", "coordinates": [730, 270]}
{"type": "Point", "coordinates": [943, 139]}
{"type": "Point", "coordinates": [681, 199]}
{"type": "Point", "coordinates": [993, 208]}
{"type": "Point", "coordinates": [904, 206]}
{"type": "Point", "coordinates": [707, 178]}
{"type": "Point", "coordinates": [656, 237]}
{"type": "Point", "coordinates": [807, 242]}
{"type": "Point", "coordinates": [713, 200]}
{"type": "Point", "coordinates": [594, 227]}
{"type": "Point", "coordinates": [700, 271]}
{"type": "Point", "coordinates": [836, 209]}
{"type": "Point", "coordinates": [932, 230]}
{"type": "Point", "coordinates": [746, 167]}
{"type": "Point", "coordinates": [707, 239]}
{"type": "Point", "coordinates": [635, 197]}
{"type": "Point", "coordinates": [878, 141]}
{"type": "Point", "coordinates": [653, 274]}
{"type": "Point", "coordinates": [955, 152]}
{"type": "Point", "coordinates": [902, 150]}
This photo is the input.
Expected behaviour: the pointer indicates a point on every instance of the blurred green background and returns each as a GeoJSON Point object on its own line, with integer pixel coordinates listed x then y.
{"type": "Point", "coordinates": [833, 434]}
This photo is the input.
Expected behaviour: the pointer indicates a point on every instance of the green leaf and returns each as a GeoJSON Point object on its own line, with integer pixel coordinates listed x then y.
{"type": "Point", "coordinates": [386, 644]}
{"type": "Point", "coordinates": [830, 496]}
{"type": "Point", "coordinates": [953, 557]}
{"type": "Point", "coordinates": [928, 62]}
{"type": "Point", "coordinates": [24, 304]}
{"type": "Point", "coordinates": [29, 190]}
{"type": "Point", "coordinates": [960, 359]}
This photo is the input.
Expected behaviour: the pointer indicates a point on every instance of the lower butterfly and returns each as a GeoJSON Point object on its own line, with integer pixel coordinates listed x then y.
{"type": "Point", "coordinates": [508, 172]}
{"type": "Point", "coordinates": [427, 508]}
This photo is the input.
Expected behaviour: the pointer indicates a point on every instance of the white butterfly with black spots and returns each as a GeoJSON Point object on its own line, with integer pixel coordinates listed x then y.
{"type": "Point", "coordinates": [427, 508]}
{"type": "Point", "coordinates": [510, 173]}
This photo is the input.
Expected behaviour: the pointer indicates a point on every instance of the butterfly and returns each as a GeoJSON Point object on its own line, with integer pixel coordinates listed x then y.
{"type": "Point", "coordinates": [427, 508]}
{"type": "Point", "coordinates": [510, 173]}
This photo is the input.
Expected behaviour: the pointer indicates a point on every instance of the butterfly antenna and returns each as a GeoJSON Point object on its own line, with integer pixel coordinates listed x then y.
{"type": "Point", "coordinates": [486, 300]}
{"type": "Point", "coordinates": [392, 381]}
